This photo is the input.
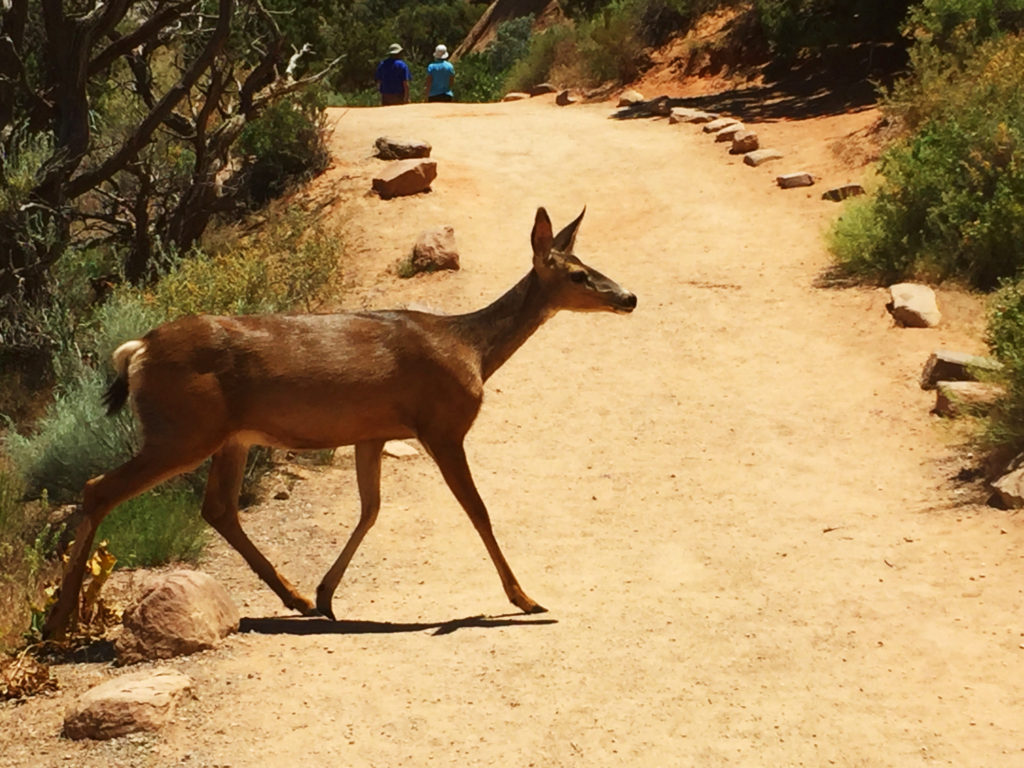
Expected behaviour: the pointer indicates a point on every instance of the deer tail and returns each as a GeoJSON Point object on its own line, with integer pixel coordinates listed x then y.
{"type": "Point", "coordinates": [117, 393]}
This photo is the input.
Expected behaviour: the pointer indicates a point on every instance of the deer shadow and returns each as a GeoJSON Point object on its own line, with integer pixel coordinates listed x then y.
{"type": "Point", "coordinates": [302, 625]}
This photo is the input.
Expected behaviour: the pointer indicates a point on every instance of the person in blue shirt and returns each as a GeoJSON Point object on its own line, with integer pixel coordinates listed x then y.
{"type": "Point", "coordinates": [393, 78]}
{"type": "Point", "coordinates": [440, 76]}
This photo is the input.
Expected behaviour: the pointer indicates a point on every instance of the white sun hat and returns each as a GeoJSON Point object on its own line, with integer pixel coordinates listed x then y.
{"type": "Point", "coordinates": [394, 48]}
{"type": "Point", "coordinates": [441, 52]}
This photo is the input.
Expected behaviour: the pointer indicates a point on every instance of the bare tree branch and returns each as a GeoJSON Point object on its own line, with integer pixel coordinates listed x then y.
{"type": "Point", "coordinates": [161, 111]}
{"type": "Point", "coordinates": [145, 32]}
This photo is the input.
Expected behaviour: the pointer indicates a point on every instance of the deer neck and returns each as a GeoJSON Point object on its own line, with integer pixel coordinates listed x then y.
{"type": "Point", "coordinates": [498, 330]}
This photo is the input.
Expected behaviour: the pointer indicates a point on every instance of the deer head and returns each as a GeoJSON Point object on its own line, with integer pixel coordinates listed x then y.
{"type": "Point", "coordinates": [569, 283]}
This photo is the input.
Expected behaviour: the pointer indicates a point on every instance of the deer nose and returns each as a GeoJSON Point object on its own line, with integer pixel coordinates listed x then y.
{"type": "Point", "coordinates": [629, 302]}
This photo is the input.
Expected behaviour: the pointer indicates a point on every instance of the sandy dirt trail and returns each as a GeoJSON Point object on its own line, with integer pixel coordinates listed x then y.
{"type": "Point", "coordinates": [734, 502]}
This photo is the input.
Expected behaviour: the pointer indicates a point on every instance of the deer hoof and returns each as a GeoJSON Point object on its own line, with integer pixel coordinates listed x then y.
{"type": "Point", "coordinates": [535, 608]}
{"type": "Point", "coordinates": [305, 607]}
{"type": "Point", "coordinates": [324, 608]}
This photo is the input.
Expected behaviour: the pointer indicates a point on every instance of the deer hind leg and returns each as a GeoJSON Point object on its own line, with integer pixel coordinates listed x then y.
{"type": "Point", "coordinates": [220, 510]}
{"type": "Point", "coordinates": [368, 458]}
{"type": "Point", "coordinates": [102, 493]}
{"type": "Point", "coordinates": [451, 458]}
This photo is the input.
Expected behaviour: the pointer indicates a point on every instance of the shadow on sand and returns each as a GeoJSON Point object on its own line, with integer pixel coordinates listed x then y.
{"type": "Point", "coordinates": [848, 82]}
{"type": "Point", "coordinates": [301, 625]}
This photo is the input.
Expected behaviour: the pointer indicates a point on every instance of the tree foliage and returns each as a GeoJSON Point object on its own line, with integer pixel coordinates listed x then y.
{"type": "Point", "coordinates": [792, 26]}
{"type": "Point", "coordinates": [117, 122]}
{"type": "Point", "coordinates": [363, 32]}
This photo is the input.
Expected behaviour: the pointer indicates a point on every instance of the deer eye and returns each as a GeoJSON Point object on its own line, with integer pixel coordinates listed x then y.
{"type": "Point", "coordinates": [578, 277]}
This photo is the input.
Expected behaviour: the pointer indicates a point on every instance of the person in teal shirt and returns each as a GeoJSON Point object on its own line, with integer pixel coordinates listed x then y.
{"type": "Point", "coordinates": [440, 76]}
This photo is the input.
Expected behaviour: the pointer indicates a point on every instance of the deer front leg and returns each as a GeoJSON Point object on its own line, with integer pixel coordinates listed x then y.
{"type": "Point", "coordinates": [368, 458]}
{"type": "Point", "coordinates": [451, 458]}
{"type": "Point", "coordinates": [220, 510]}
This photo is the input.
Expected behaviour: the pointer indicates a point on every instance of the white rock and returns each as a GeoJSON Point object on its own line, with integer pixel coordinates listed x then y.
{"type": "Point", "coordinates": [399, 449]}
{"type": "Point", "coordinates": [630, 97]}
{"type": "Point", "coordinates": [913, 305]}
{"type": "Point", "coordinates": [716, 125]}
{"type": "Point", "coordinates": [759, 156]}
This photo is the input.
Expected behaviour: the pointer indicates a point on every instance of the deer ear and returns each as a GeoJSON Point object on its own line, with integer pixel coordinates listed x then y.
{"type": "Point", "coordinates": [541, 237]}
{"type": "Point", "coordinates": [566, 239]}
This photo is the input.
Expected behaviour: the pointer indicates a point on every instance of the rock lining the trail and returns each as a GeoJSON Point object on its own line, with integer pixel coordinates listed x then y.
{"type": "Point", "coordinates": [391, 148]}
{"type": "Point", "coordinates": [404, 177]}
{"type": "Point", "coordinates": [913, 305]}
{"type": "Point", "coordinates": [179, 613]}
{"type": "Point", "coordinates": [140, 701]}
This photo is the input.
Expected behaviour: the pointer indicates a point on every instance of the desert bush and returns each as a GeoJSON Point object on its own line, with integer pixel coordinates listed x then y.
{"type": "Point", "coordinates": [291, 263]}
{"type": "Point", "coordinates": [286, 145]}
{"type": "Point", "coordinates": [606, 42]}
{"type": "Point", "coordinates": [546, 51]}
{"type": "Point", "coordinates": [156, 528]}
{"type": "Point", "coordinates": [362, 97]}
{"type": "Point", "coordinates": [26, 541]}
{"type": "Point", "coordinates": [951, 203]}
{"type": "Point", "coordinates": [510, 44]}
{"type": "Point", "coordinates": [23, 167]}
{"type": "Point", "coordinates": [795, 27]}
{"type": "Point", "coordinates": [603, 48]}
{"type": "Point", "coordinates": [610, 44]}
{"type": "Point", "coordinates": [477, 81]}
{"type": "Point", "coordinates": [1003, 427]}
{"type": "Point", "coordinates": [658, 20]}
{"type": "Point", "coordinates": [955, 42]}
{"type": "Point", "coordinates": [481, 77]}
{"type": "Point", "coordinates": [958, 26]}
{"type": "Point", "coordinates": [72, 441]}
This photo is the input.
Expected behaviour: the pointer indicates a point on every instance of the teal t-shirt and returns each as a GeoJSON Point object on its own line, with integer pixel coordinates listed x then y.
{"type": "Point", "coordinates": [441, 73]}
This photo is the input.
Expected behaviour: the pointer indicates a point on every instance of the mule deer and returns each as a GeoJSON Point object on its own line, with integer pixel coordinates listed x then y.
{"type": "Point", "coordinates": [205, 386]}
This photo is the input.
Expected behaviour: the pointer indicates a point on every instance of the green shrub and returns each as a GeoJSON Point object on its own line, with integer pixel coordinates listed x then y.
{"type": "Point", "coordinates": [366, 97]}
{"type": "Point", "coordinates": [73, 441]}
{"type": "Point", "coordinates": [125, 315]}
{"type": "Point", "coordinates": [159, 527]}
{"type": "Point", "coordinates": [658, 20]}
{"type": "Point", "coordinates": [546, 49]}
{"type": "Point", "coordinates": [958, 26]}
{"type": "Point", "coordinates": [286, 144]}
{"type": "Point", "coordinates": [22, 169]}
{"type": "Point", "coordinates": [26, 543]}
{"type": "Point", "coordinates": [292, 263]}
{"type": "Point", "coordinates": [951, 204]}
{"type": "Point", "coordinates": [859, 241]}
{"type": "Point", "coordinates": [481, 77]}
{"type": "Point", "coordinates": [476, 81]}
{"type": "Point", "coordinates": [607, 42]}
{"type": "Point", "coordinates": [956, 42]}
{"type": "Point", "coordinates": [511, 42]}
{"type": "Point", "coordinates": [794, 27]}
{"type": "Point", "coordinates": [1004, 425]}
{"type": "Point", "coordinates": [610, 45]}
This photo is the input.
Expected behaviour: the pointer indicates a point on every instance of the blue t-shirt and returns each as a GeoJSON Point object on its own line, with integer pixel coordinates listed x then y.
{"type": "Point", "coordinates": [441, 73]}
{"type": "Point", "coordinates": [392, 73]}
